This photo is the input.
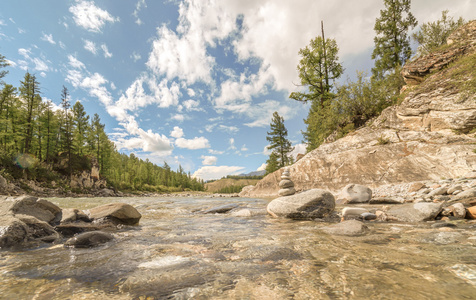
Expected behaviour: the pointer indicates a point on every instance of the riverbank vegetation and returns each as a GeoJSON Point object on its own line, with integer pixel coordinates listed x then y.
{"type": "Point", "coordinates": [43, 142]}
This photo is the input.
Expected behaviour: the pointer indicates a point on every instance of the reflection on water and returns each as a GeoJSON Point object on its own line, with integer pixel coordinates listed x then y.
{"type": "Point", "coordinates": [177, 253]}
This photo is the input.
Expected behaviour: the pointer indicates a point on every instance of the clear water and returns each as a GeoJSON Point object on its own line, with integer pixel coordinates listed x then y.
{"type": "Point", "coordinates": [177, 253]}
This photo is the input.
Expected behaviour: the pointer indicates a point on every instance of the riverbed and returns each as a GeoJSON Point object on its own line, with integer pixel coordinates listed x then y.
{"type": "Point", "coordinates": [179, 253]}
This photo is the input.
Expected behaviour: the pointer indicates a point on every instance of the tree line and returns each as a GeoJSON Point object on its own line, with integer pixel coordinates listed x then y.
{"type": "Point", "coordinates": [339, 109]}
{"type": "Point", "coordinates": [35, 139]}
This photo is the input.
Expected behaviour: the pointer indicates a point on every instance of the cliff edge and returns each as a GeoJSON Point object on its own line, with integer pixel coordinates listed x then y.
{"type": "Point", "coordinates": [429, 136]}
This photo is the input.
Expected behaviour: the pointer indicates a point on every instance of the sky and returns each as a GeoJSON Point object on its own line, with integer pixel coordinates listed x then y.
{"type": "Point", "coordinates": [193, 82]}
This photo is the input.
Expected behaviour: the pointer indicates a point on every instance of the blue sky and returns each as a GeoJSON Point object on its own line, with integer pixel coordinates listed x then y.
{"type": "Point", "coordinates": [189, 82]}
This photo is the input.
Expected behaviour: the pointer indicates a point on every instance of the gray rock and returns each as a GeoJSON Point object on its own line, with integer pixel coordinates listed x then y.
{"type": "Point", "coordinates": [466, 194]}
{"type": "Point", "coordinates": [39, 208]}
{"type": "Point", "coordinates": [453, 189]}
{"type": "Point", "coordinates": [443, 224]}
{"type": "Point", "coordinates": [347, 228]}
{"type": "Point", "coordinates": [287, 192]}
{"type": "Point", "coordinates": [353, 211]}
{"type": "Point", "coordinates": [106, 193]}
{"type": "Point", "coordinates": [221, 209]}
{"type": "Point", "coordinates": [121, 213]}
{"type": "Point", "coordinates": [38, 230]}
{"type": "Point", "coordinates": [418, 212]}
{"type": "Point", "coordinates": [89, 239]}
{"type": "Point", "coordinates": [70, 229]}
{"type": "Point", "coordinates": [458, 210]}
{"type": "Point", "coordinates": [369, 216]}
{"type": "Point", "coordinates": [72, 215]}
{"type": "Point", "coordinates": [286, 183]}
{"type": "Point", "coordinates": [354, 193]}
{"type": "Point", "coordinates": [438, 191]}
{"type": "Point", "coordinates": [13, 232]}
{"type": "Point", "coordinates": [249, 212]}
{"type": "Point", "coordinates": [311, 204]}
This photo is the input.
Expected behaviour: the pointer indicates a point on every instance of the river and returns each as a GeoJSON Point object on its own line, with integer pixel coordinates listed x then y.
{"type": "Point", "coordinates": [178, 253]}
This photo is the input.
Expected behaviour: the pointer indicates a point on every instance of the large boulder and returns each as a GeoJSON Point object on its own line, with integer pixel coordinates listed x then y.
{"type": "Point", "coordinates": [121, 213]}
{"type": "Point", "coordinates": [13, 232]}
{"type": "Point", "coordinates": [41, 209]}
{"type": "Point", "coordinates": [310, 204]}
{"type": "Point", "coordinates": [418, 212]}
{"type": "Point", "coordinates": [354, 193]}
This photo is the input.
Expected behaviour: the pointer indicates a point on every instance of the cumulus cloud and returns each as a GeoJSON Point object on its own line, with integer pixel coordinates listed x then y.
{"type": "Point", "coordinates": [192, 144]}
{"type": "Point", "coordinates": [262, 167]}
{"type": "Point", "coordinates": [208, 160]}
{"type": "Point", "coordinates": [177, 132]}
{"type": "Point", "coordinates": [216, 172]}
{"type": "Point", "coordinates": [40, 64]}
{"type": "Point", "coordinates": [90, 17]}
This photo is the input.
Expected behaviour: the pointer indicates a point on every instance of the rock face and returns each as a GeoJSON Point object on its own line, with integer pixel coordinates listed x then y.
{"type": "Point", "coordinates": [426, 137]}
{"type": "Point", "coordinates": [310, 204]}
{"type": "Point", "coordinates": [119, 212]}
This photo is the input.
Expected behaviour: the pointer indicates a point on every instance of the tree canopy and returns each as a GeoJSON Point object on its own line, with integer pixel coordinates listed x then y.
{"type": "Point", "coordinates": [392, 42]}
{"type": "Point", "coordinates": [279, 144]}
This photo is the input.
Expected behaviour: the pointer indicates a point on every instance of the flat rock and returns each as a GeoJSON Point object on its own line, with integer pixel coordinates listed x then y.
{"type": "Point", "coordinates": [354, 193]}
{"type": "Point", "coordinates": [249, 212]}
{"type": "Point", "coordinates": [221, 209]}
{"type": "Point", "coordinates": [311, 204]}
{"type": "Point", "coordinates": [287, 191]}
{"type": "Point", "coordinates": [471, 193]}
{"type": "Point", "coordinates": [418, 212]}
{"type": "Point", "coordinates": [347, 228]}
{"type": "Point", "coordinates": [118, 212]}
{"type": "Point", "coordinates": [89, 239]}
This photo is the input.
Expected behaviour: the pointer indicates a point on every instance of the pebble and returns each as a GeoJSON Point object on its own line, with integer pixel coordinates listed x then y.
{"type": "Point", "coordinates": [369, 216]}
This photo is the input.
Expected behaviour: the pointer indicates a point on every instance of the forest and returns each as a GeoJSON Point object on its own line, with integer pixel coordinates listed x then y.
{"type": "Point", "coordinates": [44, 142]}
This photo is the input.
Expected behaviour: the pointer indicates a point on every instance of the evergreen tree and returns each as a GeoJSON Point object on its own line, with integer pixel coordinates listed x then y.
{"type": "Point", "coordinates": [29, 92]}
{"type": "Point", "coordinates": [3, 63]}
{"type": "Point", "coordinates": [434, 34]}
{"type": "Point", "coordinates": [81, 123]}
{"type": "Point", "coordinates": [318, 68]}
{"type": "Point", "coordinates": [279, 143]}
{"type": "Point", "coordinates": [272, 163]}
{"type": "Point", "coordinates": [67, 136]}
{"type": "Point", "coordinates": [392, 43]}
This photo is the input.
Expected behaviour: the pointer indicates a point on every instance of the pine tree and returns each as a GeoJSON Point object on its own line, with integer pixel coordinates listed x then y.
{"type": "Point", "coordinates": [279, 143]}
{"type": "Point", "coordinates": [67, 136]}
{"type": "Point", "coordinates": [80, 124]}
{"type": "Point", "coordinates": [29, 92]}
{"type": "Point", "coordinates": [392, 43]}
{"type": "Point", "coordinates": [3, 63]}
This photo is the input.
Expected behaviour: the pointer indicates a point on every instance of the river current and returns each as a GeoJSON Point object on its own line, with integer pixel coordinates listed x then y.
{"type": "Point", "coordinates": [178, 253]}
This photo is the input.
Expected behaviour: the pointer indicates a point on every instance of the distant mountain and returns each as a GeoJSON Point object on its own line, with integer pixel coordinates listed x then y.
{"type": "Point", "coordinates": [255, 173]}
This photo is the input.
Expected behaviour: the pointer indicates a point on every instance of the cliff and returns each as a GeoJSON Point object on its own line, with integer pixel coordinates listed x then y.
{"type": "Point", "coordinates": [429, 136]}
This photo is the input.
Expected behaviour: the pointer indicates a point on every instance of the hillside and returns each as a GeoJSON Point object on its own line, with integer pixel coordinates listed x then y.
{"type": "Point", "coordinates": [430, 135]}
{"type": "Point", "coordinates": [216, 186]}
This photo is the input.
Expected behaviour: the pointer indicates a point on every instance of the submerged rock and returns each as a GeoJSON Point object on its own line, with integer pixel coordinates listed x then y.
{"type": "Point", "coordinates": [310, 204]}
{"type": "Point", "coordinates": [347, 228]}
{"type": "Point", "coordinates": [121, 213]}
{"type": "Point", "coordinates": [221, 209]}
{"type": "Point", "coordinates": [89, 239]}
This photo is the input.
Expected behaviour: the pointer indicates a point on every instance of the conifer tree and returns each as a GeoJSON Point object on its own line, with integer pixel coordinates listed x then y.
{"type": "Point", "coordinates": [81, 123]}
{"type": "Point", "coordinates": [29, 92]}
{"type": "Point", "coordinates": [392, 42]}
{"type": "Point", "coordinates": [279, 144]}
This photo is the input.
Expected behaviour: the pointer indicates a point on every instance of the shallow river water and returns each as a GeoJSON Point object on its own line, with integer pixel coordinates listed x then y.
{"type": "Point", "coordinates": [178, 253]}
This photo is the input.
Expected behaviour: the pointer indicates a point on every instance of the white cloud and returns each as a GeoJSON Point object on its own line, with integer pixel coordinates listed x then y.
{"type": "Point", "coordinates": [107, 54]}
{"type": "Point", "coordinates": [62, 45]}
{"type": "Point", "coordinates": [139, 5]}
{"type": "Point", "coordinates": [193, 144]}
{"type": "Point", "coordinates": [146, 141]}
{"type": "Point", "coordinates": [243, 148]}
{"type": "Point", "coordinates": [215, 152]}
{"type": "Point", "coordinates": [95, 85]}
{"type": "Point", "coordinates": [298, 149]}
{"type": "Point", "coordinates": [41, 65]}
{"type": "Point", "coordinates": [89, 16]}
{"type": "Point", "coordinates": [216, 172]}
{"type": "Point", "coordinates": [184, 54]}
{"type": "Point", "coordinates": [75, 63]}
{"type": "Point", "coordinates": [262, 167]}
{"type": "Point", "coordinates": [208, 160]}
{"type": "Point", "coordinates": [48, 38]}
{"type": "Point", "coordinates": [192, 105]}
{"type": "Point", "coordinates": [178, 117]}
{"type": "Point", "coordinates": [90, 46]}
{"type": "Point", "coordinates": [177, 132]}
{"type": "Point", "coordinates": [229, 129]}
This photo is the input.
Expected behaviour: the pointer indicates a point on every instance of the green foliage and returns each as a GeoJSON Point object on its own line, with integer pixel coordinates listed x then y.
{"type": "Point", "coordinates": [279, 144]}
{"type": "Point", "coordinates": [231, 189]}
{"type": "Point", "coordinates": [272, 163]}
{"type": "Point", "coordinates": [237, 177]}
{"type": "Point", "coordinates": [3, 64]}
{"type": "Point", "coordinates": [392, 43]}
{"type": "Point", "coordinates": [383, 141]}
{"type": "Point", "coordinates": [433, 35]}
{"type": "Point", "coordinates": [318, 68]}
